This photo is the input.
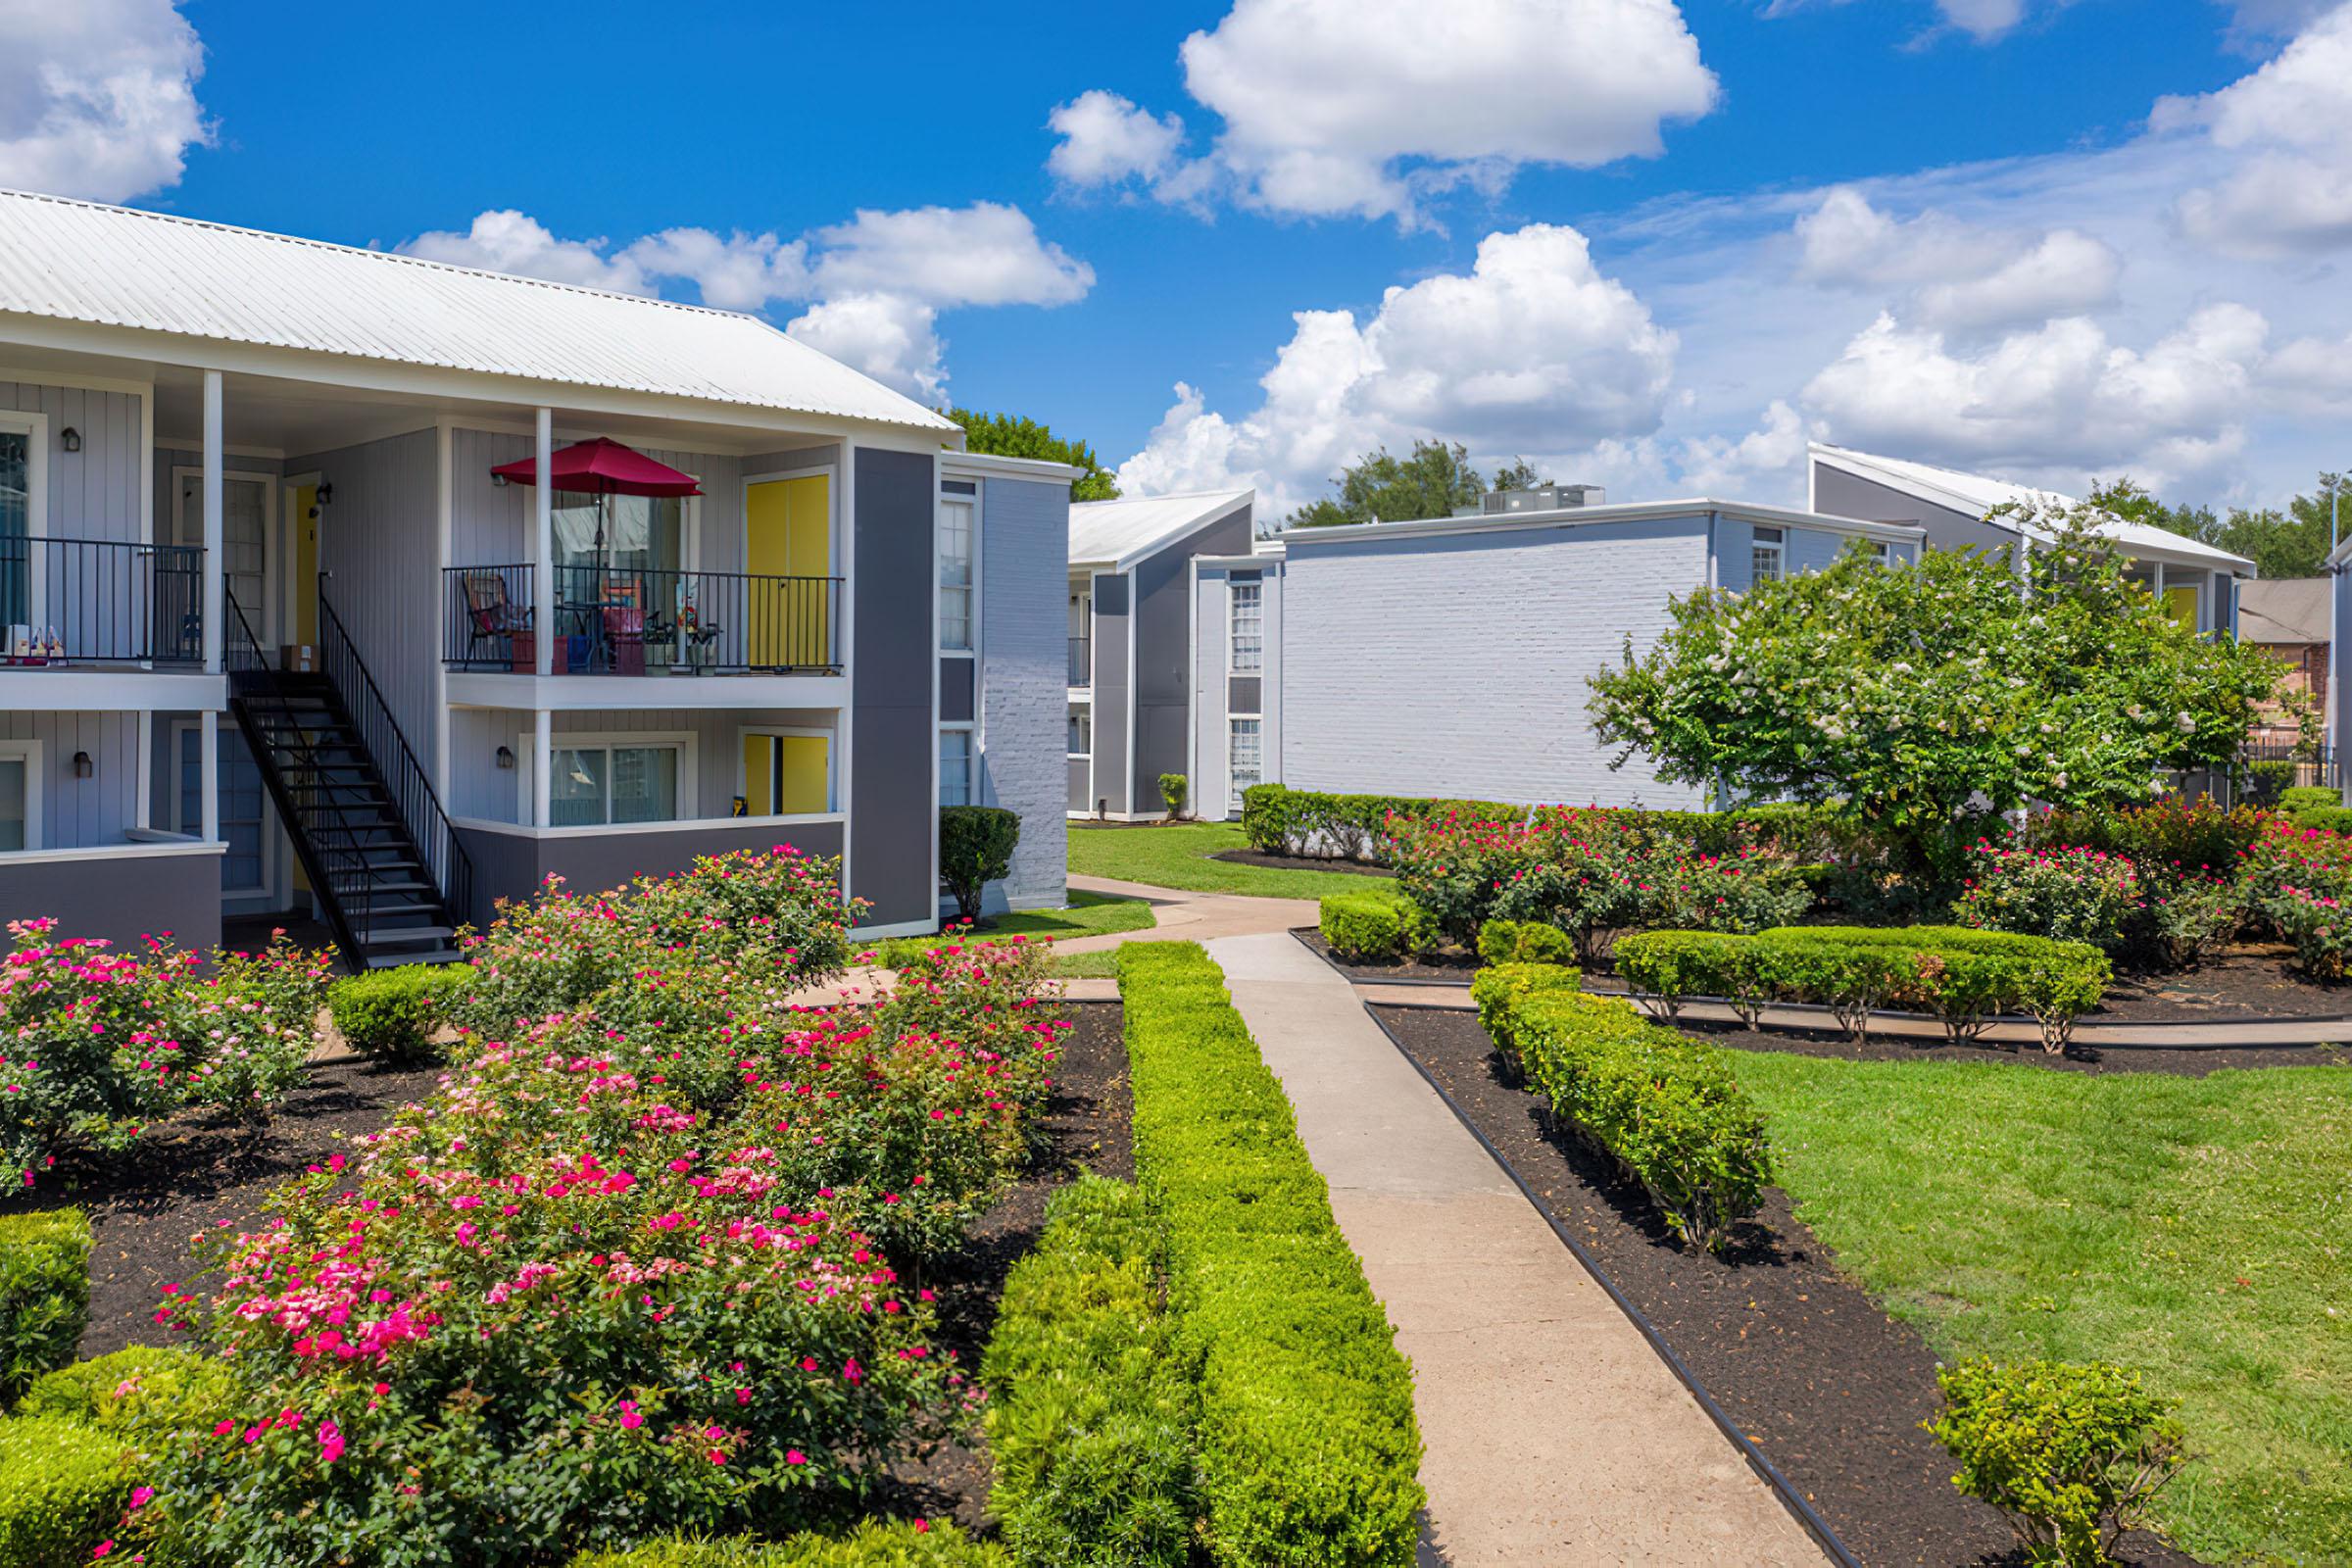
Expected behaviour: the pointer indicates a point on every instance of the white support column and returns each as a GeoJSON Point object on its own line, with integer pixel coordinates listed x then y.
{"type": "Point", "coordinates": [208, 764]}
{"type": "Point", "coordinates": [144, 805]}
{"type": "Point", "coordinates": [445, 508]}
{"type": "Point", "coordinates": [214, 594]}
{"type": "Point", "coordinates": [543, 572]}
{"type": "Point", "coordinates": [543, 766]}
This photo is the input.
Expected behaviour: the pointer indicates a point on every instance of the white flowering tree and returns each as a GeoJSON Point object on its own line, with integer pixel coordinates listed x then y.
{"type": "Point", "coordinates": [1930, 696]}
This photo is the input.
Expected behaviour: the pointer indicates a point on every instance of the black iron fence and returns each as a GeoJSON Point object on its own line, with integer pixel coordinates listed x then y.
{"type": "Point", "coordinates": [642, 620]}
{"type": "Point", "coordinates": [1082, 667]}
{"type": "Point", "coordinates": [82, 601]}
{"type": "Point", "coordinates": [2267, 768]}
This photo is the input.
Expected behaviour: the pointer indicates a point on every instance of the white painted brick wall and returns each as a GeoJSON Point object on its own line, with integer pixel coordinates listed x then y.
{"type": "Point", "coordinates": [1024, 586]}
{"type": "Point", "coordinates": [1455, 664]}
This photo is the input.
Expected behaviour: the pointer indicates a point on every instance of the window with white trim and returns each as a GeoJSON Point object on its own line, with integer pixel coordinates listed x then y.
{"type": "Point", "coordinates": [1767, 555]}
{"type": "Point", "coordinates": [1881, 553]}
{"type": "Point", "coordinates": [957, 535]}
{"type": "Point", "coordinates": [20, 795]}
{"type": "Point", "coordinates": [955, 769]}
{"type": "Point", "coordinates": [1082, 729]}
{"type": "Point", "coordinates": [1247, 624]}
{"type": "Point", "coordinates": [1243, 758]}
{"type": "Point", "coordinates": [598, 780]}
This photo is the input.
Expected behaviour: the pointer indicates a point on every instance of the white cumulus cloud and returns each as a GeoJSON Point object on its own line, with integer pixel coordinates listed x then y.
{"type": "Point", "coordinates": [1338, 106]}
{"type": "Point", "coordinates": [97, 97]}
{"type": "Point", "coordinates": [1960, 275]}
{"type": "Point", "coordinates": [2292, 189]}
{"type": "Point", "coordinates": [1532, 352]}
{"type": "Point", "coordinates": [888, 336]}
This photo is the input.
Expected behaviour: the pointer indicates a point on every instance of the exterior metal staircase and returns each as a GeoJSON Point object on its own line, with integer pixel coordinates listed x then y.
{"type": "Point", "coordinates": [380, 856]}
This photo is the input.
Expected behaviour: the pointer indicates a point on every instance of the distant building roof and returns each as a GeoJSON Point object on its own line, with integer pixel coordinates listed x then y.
{"type": "Point", "coordinates": [1976, 494]}
{"type": "Point", "coordinates": [2283, 609]}
{"type": "Point", "coordinates": [84, 262]}
{"type": "Point", "coordinates": [1116, 534]}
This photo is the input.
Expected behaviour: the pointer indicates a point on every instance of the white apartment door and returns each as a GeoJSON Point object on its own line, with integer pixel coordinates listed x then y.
{"type": "Point", "coordinates": [248, 508]}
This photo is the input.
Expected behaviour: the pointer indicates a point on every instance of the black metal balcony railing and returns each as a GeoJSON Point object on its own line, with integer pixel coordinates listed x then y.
{"type": "Point", "coordinates": [642, 620]}
{"type": "Point", "coordinates": [1082, 666]}
{"type": "Point", "coordinates": [73, 602]}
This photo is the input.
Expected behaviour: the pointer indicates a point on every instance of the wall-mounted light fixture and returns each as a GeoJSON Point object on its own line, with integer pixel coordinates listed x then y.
{"type": "Point", "coordinates": [505, 757]}
{"type": "Point", "coordinates": [327, 495]}
{"type": "Point", "coordinates": [69, 438]}
{"type": "Point", "coordinates": [84, 767]}
{"type": "Point", "coordinates": [499, 481]}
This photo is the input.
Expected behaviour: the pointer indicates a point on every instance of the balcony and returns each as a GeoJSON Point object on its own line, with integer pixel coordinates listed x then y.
{"type": "Point", "coordinates": [83, 603]}
{"type": "Point", "coordinates": [1082, 666]}
{"type": "Point", "coordinates": [638, 621]}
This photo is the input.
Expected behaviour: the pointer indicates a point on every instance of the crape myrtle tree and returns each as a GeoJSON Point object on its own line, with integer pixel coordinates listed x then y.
{"type": "Point", "coordinates": [1011, 435]}
{"type": "Point", "coordinates": [1932, 696]}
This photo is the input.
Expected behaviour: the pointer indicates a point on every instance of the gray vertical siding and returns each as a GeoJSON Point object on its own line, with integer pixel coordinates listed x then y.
{"type": "Point", "coordinates": [1113, 757]}
{"type": "Point", "coordinates": [93, 493]}
{"type": "Point", "coordinates": [379, 538]}
{"type": "Point", "coordinates": [79, 812]}
{"type": "Point", "coordinates": [481, 790]}
{"type": "Point", "coordinates": [1163, 648]}
{"type": "Point", "coordinates": [1838, 494]}
{"type": "Point", "coordinates": [1024, 674]}
{"type": "Point", "coordinates": [1383, 637]}
{"type": "Point", "coordinates": [893, 825]}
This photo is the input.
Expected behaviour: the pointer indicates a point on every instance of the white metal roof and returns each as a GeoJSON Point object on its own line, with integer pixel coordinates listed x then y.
{"type": "Point", "coordinates": [75, 261]}
{"type": "Point", "coordinates": [1976, 494]}
{"type": "Point", "coordinates": [1116, 534]}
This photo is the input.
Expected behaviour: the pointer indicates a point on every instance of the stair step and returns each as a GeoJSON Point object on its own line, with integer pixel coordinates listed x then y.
{"type": "Point", "coordinates": [407, 935]}
{"type": "Point", "coordinates": [395, 961]}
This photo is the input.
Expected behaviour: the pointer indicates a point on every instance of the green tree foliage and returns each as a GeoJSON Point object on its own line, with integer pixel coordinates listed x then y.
{"type": "Point", "coordinates": [1006, 435]}
{"type": "Point", "coordinates": [2289, 543]}
{"type": "Point", "coordinates": [1436, 480]}
{"type": "Point", "coordinates": [1930, 696]}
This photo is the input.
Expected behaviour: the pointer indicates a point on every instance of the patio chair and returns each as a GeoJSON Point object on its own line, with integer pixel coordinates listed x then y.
{"type": "Point", "coordinates": [490, 618]}
{"type": "Point", "coordinates": [687, 634]}
{"type": "Point", "coordinates": [624, 626]}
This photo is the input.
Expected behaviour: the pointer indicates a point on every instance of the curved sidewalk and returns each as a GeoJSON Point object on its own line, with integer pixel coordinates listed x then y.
{"type": "Point", "coordinates": [1554, 1434]}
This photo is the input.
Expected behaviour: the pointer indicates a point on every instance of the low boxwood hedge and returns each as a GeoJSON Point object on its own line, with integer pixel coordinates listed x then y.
{"type": "Point", "coordinates": [63, 1486]}
{"type": "Point", "coordinates": [1666, 1109]}
{"type": "Point", "coordinates": [1375, 926]}
{"type": "Point", "coordinates": [1090, 1424]}
{"type": "Point", "coordinates": [145, 1395]}
{"type": "Point", "coordinates": [389, 1015]}
{"type": "Point", "coordinates": [44, 1294]}
{"type": "Point", "coordinates": [1965, 977]}
{"type": "Point", "coordinates": [871, 1545]}
{"type": "Point", "coordinates": [1308, 1450]}
{"type": "Point", "coordinates": [1524, 942]}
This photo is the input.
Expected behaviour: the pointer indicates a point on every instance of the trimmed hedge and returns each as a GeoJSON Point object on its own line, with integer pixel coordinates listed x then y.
{"type": "Point", "coordinates": [1308, 1450]}
{"type": "Point", "coordinates": [144, 1395]}
{"type": "Point", "coordinates": [390, 1015]}
{"type": "Point", "coordinates": [63, 1486]}
{"type": "Point", "coordinates": [1373, 926]}
{"type": "Point", "coordinates": [1090, 1421]}
{"type": "Point", "coordinates": [44, 1294]}
{"type": "Point", "coordinates": [1524, 942]}
{"type": "Point", "coordinates": [975, 847]}
{"type": "Point", "coordinates": [871, 1545]}
{"type": "Point", "coordinates": [1277, 819]}
{"type": "Point", "coordinates": [1666, 1109]}
{"type": "Point", "coordinates": [1964, 976]}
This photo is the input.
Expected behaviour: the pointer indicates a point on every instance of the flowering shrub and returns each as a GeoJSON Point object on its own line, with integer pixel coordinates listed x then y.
{"type": "Point", "coordinates": [2183, 927]}
{"type": "Point", "coordinates": [95, 1045]}
{"type": "Point", "coordinates": [2173, 840]}
{"type": "Point", "coordinates": [2320, 925]}
{"type": "Point", "coordinates": [2069, 894]}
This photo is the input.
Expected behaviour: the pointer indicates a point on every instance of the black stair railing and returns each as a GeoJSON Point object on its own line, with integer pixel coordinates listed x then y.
{"type": "Point", "coordinates": [411, 790]}
{"type": "Point", "coordinates": [297, 771]}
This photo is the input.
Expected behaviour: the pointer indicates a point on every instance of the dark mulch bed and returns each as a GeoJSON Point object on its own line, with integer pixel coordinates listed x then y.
{"type": "Point", "coordinates": [1089, 1126]}
{"type": "Point", "coordinates": [1302, 863]}
{"type": "Point", "coordinates": [1829, 1387]}
{"type": "Point", "coordinates": [1449, 968]}
{"type": "Point", "coordinates": [2243, 983]}
{"type": "Point", "coordinates": [196, 1174]}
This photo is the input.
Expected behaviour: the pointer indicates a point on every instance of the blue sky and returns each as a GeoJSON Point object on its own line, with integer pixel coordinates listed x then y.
{"type": "Point", "coordinates": [1650, 245]}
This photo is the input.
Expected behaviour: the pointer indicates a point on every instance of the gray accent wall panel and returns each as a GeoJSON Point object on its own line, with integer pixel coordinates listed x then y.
{"type": "Point", "coordinates": [958, 700]}
{"type": "Point", "coordinates": [893, 828]}
{"type": "Point", "coordinates": [1380, 635]}
{"type": "Point", "coordinates": [1024, 675]}
{"type": "Point", "coordinates": [1838, 494]}
{"type": "Point", "coordinates": [512, 865]}
{"type": "Point", "coordinates": [1113, 760]}
{"type": "Point", "coordinates": [1243, 694]}
{"type": "Point", "coordinates": [93, 493]}
{"type": "Point", "coordinates": [1164, 652]}
{"type": "Point", "coordinates": [121, 899]}
{"type": "Point", "coordinates": [1081, 780]}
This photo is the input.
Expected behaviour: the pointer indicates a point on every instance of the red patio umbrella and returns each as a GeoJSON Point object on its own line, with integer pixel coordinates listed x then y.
{"type": "Point", "coordinates": [603, 467]}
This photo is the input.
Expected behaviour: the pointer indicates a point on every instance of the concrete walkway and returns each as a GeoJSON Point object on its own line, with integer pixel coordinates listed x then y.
{"type": "Point", "coordinates": [2244, 1032]}
{"type": "Point", "coordinates": [1554, 1434]}
{"type": "Point", "coordinates": [1180, 916]}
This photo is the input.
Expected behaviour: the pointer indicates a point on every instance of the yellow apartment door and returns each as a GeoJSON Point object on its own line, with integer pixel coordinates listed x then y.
{"type": "Point", "coordinates": [2182, 605]}
{"type": "Point", "coordinates": [787, 774]}
{"type": "Point", "coordinates": [788, 534]}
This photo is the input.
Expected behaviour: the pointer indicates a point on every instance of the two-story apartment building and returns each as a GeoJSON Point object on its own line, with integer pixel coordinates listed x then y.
{"type": "Point", "coordinates": [279, 632]}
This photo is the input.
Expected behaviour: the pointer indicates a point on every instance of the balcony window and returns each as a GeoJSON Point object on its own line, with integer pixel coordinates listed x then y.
{"type": "Point", "coordinates": [1248, 618]}
{"type": "Point", "coordinates": [600, 779]}
{"type": "Point", "coordinates": [20, 795]}
{"type": "Point", "coordinates": [956, 531]}
{"type": "Point", "coordinates": [956, 767]}
{"type": "Point", "coordinates": [1243, 756]}
{"type": "Point", "coordinates": [1082, 729]}
{"type": "Point", "coordinates": [16, 525]}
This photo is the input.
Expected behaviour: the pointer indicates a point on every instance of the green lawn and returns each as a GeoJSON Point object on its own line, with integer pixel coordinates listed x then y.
{"type": "Point", "coordinates": [2198, 1229]}
{"type": "Point", "coordinates": [1089, 914]}
{"type": "Point", "coordinates": [1178, 857]}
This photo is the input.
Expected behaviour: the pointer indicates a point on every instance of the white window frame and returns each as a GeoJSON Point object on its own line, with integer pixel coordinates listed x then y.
{"type": "Point", "coordinates": [939, 583]}
{"type": "Point", "coordinates": [832, 811]}
{"type": "Point", "coordinates": [971, 764]}
{"type": "Point", "coordinates": [34, 428]}
{"type": "Point", "coordinates": [273, 590]}
{"type": "Point", "coordinates": [1087, 708]}
{"type": "Point", "coordinates": [685, 742]}
{"type": "Point", "coordinates": [1234, 795]}
{"type": "Point", "coordinates": [30, 753]}
{"type": "Point", "coordinates": [1233, 626]}
{"type": "Point", "coordinates": [1759, 546]}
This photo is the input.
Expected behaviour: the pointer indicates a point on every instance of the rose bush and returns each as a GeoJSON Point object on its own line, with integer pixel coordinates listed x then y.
{"type": "Point", "coordinates": [2066, 894]}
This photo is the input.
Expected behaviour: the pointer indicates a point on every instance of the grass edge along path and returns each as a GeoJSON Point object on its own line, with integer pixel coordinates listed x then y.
{"type": "Point", "coordinates": [2198, 1229]}
{"type": "Point", "coordinates": [1309, 1451]}
{"type": "Point", "coordinates": [1087, 915]}
{"type": "Point", "coordinates": [1178, 855]}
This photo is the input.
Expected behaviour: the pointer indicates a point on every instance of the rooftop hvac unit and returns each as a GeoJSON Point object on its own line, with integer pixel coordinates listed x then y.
{"type": "Point", "coordinates": [1549, 497]}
